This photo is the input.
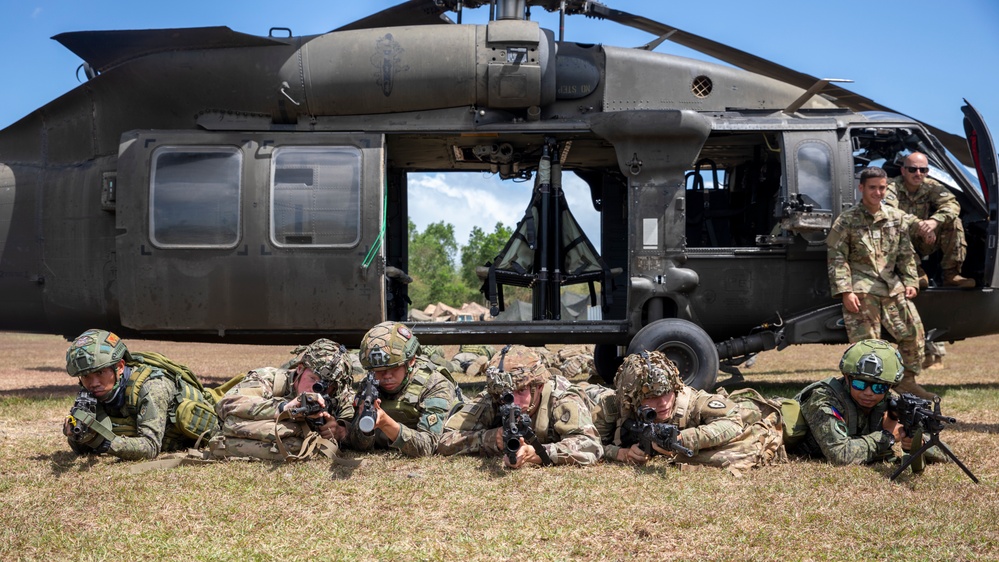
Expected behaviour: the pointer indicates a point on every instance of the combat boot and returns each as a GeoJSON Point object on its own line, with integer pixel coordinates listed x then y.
{"type": "Point", "coordinates": [910, 386]}
{"type": "Point", "coordinates": [933, 362]}
{"type": "Point", "coordinates": [951, 278]}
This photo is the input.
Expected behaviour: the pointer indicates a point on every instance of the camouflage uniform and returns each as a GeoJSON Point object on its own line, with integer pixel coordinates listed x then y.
{"type": "Point", "coordinates": [561, 421]}
{"type": "Point", "coordinates": [837, 429]}
{"type": "Point", "coordinates": [420, 407]}
{"type": "Point", "coordinates": [720, 431]}
{"type": "Point", "coordinates": [932, 200]}
{"type": "Point", "coordinates": [872, 257]}
{"type": "Point", "coordinates": [142, 413]}
{"type": "Point", "coordinates": [472, 359]}
{"type": "Point", "coordinates": [576, 361]}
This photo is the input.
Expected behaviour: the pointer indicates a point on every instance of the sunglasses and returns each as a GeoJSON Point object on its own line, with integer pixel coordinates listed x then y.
{"type": "Point", "coordinates": [876, 387]}
{"type": "Point", "coordinates": [915, 169]}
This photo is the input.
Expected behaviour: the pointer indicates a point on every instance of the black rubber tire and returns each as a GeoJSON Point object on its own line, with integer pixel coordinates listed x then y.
{"type": "Point", "coordinates": [684, 343]}
{"type": "Point", "coordinates": [606, 361]}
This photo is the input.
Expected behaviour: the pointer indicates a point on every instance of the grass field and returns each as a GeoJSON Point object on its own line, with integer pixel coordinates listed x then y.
{"type": "Point", "coordinates": [60, 506]}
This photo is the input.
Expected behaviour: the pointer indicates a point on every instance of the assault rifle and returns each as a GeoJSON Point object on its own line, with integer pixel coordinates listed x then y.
{"type": "Point", "coordinates": [364, 404]}
{"type": "Point", "coordinates": [646, 432]}
{"type": "Point", "coordinates": [309, 405]}
{"type": "Point", "coordinates": [916, 417]}
{"type": "Point", "coordinates": [85, 427]}
{"type": "Point", "coordinates": [517, 424]}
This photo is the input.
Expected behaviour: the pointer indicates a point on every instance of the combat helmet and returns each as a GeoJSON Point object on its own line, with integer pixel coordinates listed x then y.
{"type": "Point", "coordinates": [643, 375]}
{"type": "Point", "coordinates": [872, 361]}
{"type": "Point", "coordinates": [514, 368]}
{"type": "Point", "coordinates": [387, 345]}
{"type": "Point", "coordinates": [327, 359]}
{"type": "Point", "coordinates": [94, 350]}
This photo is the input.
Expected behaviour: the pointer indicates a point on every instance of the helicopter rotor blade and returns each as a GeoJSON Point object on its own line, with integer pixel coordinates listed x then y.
{"type": "Point", "coordinates": [413, 12]}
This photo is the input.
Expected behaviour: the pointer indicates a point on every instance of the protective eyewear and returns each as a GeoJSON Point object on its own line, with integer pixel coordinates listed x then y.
{"type": "Point", "coordinates": [876, 387]}
{"type": "Point", "coordinates": [915, 169]}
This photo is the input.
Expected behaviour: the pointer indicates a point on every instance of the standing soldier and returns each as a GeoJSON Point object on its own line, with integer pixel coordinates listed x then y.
{"type": "Point", "coordinates": [133, 407]}
{"type": "Point", "coordinates": [263, 417]}
{"type": "Point", "coordinates": [414, 397]}
{"type": "Point", "coordinates": [558, 411]}
{"type": "Point", "coordinates": [872, 268]}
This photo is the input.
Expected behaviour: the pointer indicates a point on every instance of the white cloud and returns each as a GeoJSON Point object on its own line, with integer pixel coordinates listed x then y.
{"type": "Point", "coordinates": [467, 200]}
{"type": "Point", "coordinates": [36, 12]}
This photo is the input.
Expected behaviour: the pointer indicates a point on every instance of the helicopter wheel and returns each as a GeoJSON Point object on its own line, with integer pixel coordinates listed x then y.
{"type": "Point", "coordinates": [685, 344]}
{"type": "Point", "coordinates": [606, 361]}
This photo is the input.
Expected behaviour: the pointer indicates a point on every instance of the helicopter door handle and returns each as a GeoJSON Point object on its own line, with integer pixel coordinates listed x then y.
{"type": "Point", "coordinates": [285, 86]}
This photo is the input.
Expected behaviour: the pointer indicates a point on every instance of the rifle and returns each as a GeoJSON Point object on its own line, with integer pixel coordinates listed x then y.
{"type": "Point", "coordinates": [309, 405]}
{"type": "Point", "coordinates": [915, 416]}
{"type": "Point", "coordinates": [364, 404]}
{"type": "Point", "coordinates": [517, 424]}
{"type": "Point", "coordinates": [85, 427]}
{"type": "Point", "coordinates": [646, 432]}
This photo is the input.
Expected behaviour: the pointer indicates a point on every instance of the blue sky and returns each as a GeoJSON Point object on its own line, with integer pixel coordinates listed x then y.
{"type": "Point", "coordinates": [918, 57]}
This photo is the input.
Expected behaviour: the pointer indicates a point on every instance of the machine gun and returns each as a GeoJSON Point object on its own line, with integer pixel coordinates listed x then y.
{"type": "Point", "coordinates": [646, 432]}
{"type": "Point", "coordinates": [916, 418]}
{"type": "Point", "coordinates": [364, 404]}
{"type": "Point", "coordinates": [309, 405]}
{"type": "Point", "coordinates": [517, 424]}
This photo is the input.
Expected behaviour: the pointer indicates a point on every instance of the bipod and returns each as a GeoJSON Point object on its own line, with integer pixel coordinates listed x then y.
{"type": "Point", "coordinates": [934, 440]}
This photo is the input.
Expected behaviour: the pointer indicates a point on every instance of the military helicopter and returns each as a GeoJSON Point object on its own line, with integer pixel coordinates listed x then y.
{"type": "Point", "coordinates": [204, 184]}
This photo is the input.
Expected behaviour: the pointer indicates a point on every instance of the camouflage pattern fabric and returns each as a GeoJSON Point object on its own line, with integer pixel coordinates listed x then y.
{"type": "Point", "coordinates": [249, 409]}
{"type": "Point", "coordinates": [932, 200]}
{"type": "Point", "coordinates": [143, 425]}
{"type": "Point", "coordinates": [760, 444]}
{"type": "Point", "coordinates": [356, 369]}
{"type": "Point", "coordinates": [837, 430]}
{"type": "Point", "coordinates": [899, 317]}
{"type": "Point", "coordinates": [435, 354]}
{"type": "Point", "coordinates": [605, 411]}
{"type": "Point", "coordinates": [328, 360]}
{"type": "Point", "coordinates": [521, 367]}
{"type": "Point", "coordinates": [420, 407]}
{"type": "Point", "coordinates": [562, 422]}
{"type": "Point", "coordinates": [576, 361]}
{"type": "Point", "coordinates": [640, 377]}
{"type": "Point", "coordinates": [871, 253]}
{"type": "Point", "coordinates": [872, 257]}
{"type": "Point", "coordinates": [478, 349]}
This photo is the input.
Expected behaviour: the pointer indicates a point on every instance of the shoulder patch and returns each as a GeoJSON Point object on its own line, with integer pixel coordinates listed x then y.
{"type": "Point", "coordinates": [716, 404]}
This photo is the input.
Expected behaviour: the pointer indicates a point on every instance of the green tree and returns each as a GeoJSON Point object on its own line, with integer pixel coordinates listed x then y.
{"type": "Point", "coordinates": [431, 265]}
{"type": "Point", "coordinates": [481, 248]}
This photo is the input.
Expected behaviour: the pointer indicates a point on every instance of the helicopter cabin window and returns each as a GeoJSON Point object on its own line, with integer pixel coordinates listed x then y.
{"type": "Point", "coordinates": [814, 166]}
{"type": "Point", "coordinates": [316, 196]}
{"type": "Point", "coordinates": [732, 190]}
{"type": "Point", "coordinates": [194, 199]}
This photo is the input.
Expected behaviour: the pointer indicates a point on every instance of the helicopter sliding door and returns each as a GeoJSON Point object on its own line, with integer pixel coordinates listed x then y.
{"type": "Point", "coordinates": [236, 232]}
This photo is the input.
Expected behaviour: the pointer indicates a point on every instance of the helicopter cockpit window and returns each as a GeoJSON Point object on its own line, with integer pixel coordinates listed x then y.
{"type": "Point", "coordinates": [194, 198]}
{"type": "Point", "coordinates": [316, 196]}
{"type": "Point", "coordinates": [814, 167]}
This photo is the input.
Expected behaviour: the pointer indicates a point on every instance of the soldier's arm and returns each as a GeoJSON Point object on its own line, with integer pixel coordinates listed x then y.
{"type": "Point", "coordinates": [838, 260]}
{"type": "Point", "coordinates": [946, 207]}
{"type": "Point", "coordinates": [905, 263]}
{"type": "Point", "coordinates": [251, 399]}
{"type": "Point", "coordinates": [830, 432]}
{"type": "Point", "coordinates": [434, 406]}
{"type": "Point", "coordinates": [152, 415]}
{"type": "Point", "coordinates": [717, 422]}
{"type": "Point", "coordinates": [471, 431]}
{"type": "Point", "coordinates": [579, 441]}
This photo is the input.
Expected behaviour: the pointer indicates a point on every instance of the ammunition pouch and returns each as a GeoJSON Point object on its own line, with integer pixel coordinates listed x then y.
{"type": "Point", "coordinates": [196, 419]}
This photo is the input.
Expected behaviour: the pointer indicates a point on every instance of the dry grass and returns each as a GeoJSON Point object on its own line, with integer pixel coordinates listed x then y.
{"type": "Point", "coordinates": [61, 506]}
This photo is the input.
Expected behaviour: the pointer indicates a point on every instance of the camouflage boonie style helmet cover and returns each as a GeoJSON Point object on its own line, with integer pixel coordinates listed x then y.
{"type": "Point", "coordinates": [515, 368]}
{"type": "Point", "coordinates": [387, 345]}
{"type": "Point", "coordinates": [94, 350]}
{"type": "Point", "coordinates": [872, 361]}
{"type": "Point", "coordinates": [644, 375]}
{"type": "Point", "coordinates": [327, 359]}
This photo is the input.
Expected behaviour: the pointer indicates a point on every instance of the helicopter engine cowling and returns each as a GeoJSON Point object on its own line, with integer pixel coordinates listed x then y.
{"type": "Point", "coordinates": [503, 65]}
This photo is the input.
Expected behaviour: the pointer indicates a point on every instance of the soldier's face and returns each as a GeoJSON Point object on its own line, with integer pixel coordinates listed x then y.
{"type": "Point", "coordinates": [100, 383]}
{"type": "Point", "coordinates": [662, 404]}
{"type": "Point", "coordinates": [391, 379]}
{"type": "Point", "coordinates": [866, 398]}
{"type": "Point", "coordinates": [305, 379]}
{"type": "Point", "coordinates": [522, 397]}
{"type": "Point", "coordinates": [872, 192]}
{"type": "Point", "coordinates": [914, 179]}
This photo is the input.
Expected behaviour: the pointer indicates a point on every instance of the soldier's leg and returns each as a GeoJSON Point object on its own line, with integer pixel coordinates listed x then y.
{"type": "Point", "coordinates": [950, 238]}
{"type": "Point", "coordinates": [935, 351]}
{"type": "Point", "coordinates": [865, 324]}
{"type": "Point", "coordinates": [902, 321]}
